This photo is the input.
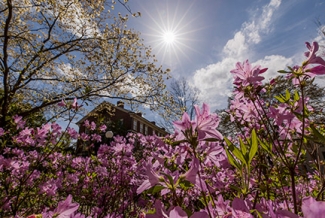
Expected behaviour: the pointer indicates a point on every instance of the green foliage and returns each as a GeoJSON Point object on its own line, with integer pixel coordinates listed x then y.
{"type": "Point", "coordinates": [241, 158]}
{"type": "Point", "coordinates": [18, 107]}
{"type": "Point", "coordinates": [253, 147]}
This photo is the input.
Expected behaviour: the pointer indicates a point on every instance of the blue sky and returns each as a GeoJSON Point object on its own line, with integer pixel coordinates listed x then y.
{"type": "Point", "coordinates": [212, 35]}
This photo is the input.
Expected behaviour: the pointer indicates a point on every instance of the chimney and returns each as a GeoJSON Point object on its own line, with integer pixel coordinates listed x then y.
{"type": "Point", "coordinates": [139, 114]}
{"type": "Point", "coordinates": [153, 122]}
{"type": "Point", "coordinates": [120, 104]}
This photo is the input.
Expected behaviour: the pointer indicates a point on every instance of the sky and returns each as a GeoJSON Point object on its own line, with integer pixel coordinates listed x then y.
{"type": "Point", "coordinates": [211, 36]}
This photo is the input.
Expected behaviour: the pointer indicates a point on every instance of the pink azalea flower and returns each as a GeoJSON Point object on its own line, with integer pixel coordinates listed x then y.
{"type": "Point", "coordinates": [185, 123]}
{"type": "Point", "coordinates": [191, 174]}
{"type": "Point", "coordinates": [78, 215]}
{"type": "Point", "coordinates": [87, 124]}
{"type": "Point", "coordinates": [311, 54]}
{"type": "Point", "coordinates": [72, 133]}
{"type": "Point", "coordinates": [201, 214]}
{"type": "Point", "coordinates": [176, 212]}
{"type": "Point", "coordinates": [2, 132]}
{"type": "Point", "coordinates": [96, 137]}
{"type": "Point", "coordinates": [280, 114]}
{"type": "Point", "coordinates": [43, 131]}
{"type": "Point", "coordinates": [245, 75]}
{"type": "Point", "coordinates": [153, 179]}
{"type": "Point", "coordinates": [92, 125]}
{"type": "Point", "coordinates": [213, 154]}
{"type": "Point", "coordinates": [62, 103]}
{"type": "Point", "coordinates": [19, 121]}
{"type": "Point", "coordinates": [312, 208]}
{"type": "Point", "coordinates": [206, 123]}
{"type": "Point", "coordinates": [222, 206]}
{"type": "Point", "coordinates": [75, 104]}
{"type": "Point", "coordinates": [84, 136]}
{"type": "Point", "coordinates": [285, 214]}
{"type": "Point", "coordinates": [160, 211]}
{"type": "Point", "coordinates": [66, 208]}
{"type": "Point", "coordinates": [312, 58]}
{"type": "Point", "coordinates": [102, 128]}
{"type": "Point", "coordinates": [317, 70]}
{"type": "Point", "coordinates": [240, 204]}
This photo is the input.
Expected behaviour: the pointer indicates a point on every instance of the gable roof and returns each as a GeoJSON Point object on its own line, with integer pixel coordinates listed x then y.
{"type": "Point", "coordinates": [100, 107]}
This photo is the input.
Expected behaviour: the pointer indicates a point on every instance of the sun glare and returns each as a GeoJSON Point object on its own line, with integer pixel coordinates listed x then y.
{"type": "Point", "coordinates": [170, 32]}
{"type": "Point", "coordinates": [169, 37]}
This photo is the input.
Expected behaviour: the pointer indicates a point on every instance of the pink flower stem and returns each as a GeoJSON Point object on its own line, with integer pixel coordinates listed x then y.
{"type": "Point", "coordinates": [293, 188]}
{"type": "Point", "coordinates": [292, 170]}
{"type": "Point", "coordinates": [200, 179]}
{"type": "Point", "coordinates": [282, 157]}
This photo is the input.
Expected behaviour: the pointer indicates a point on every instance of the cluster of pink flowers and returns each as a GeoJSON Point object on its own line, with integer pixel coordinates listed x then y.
{"type": "Point", "coordinates": [195, 172]}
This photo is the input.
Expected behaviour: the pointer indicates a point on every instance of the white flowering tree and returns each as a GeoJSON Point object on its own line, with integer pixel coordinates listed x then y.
{"type": "Point", "coordinates": [65, 49]}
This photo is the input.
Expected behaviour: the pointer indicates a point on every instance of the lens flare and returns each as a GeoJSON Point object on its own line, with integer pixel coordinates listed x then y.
{"type": "Point", "coordinates": [169, 37]}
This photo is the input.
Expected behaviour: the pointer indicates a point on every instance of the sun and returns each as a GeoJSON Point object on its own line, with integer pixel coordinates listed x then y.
{"type": "Point", "coordinates": [169, 37]}
{"type": "Point", "coordinates": [170, 33]}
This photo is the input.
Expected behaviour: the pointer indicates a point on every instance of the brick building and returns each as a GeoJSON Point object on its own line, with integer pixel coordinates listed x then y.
{"type": "Point", "coordinates": [119, 121]}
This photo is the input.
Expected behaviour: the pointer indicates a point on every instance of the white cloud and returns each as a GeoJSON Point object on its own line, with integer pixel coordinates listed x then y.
{"type": "Point", "coordinates": [274, 63]}
{"type": "Point", "coordinates": [236, 47]}
{"type": "Point", "coordinates": [215, 80]}
{"type": "Point", "coordinates": [251, 32]}
{"type": "Point", "coordinates": [214, 83]}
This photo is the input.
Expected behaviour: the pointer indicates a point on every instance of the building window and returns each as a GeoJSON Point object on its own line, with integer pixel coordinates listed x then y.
{"type": "Point", "coordinates": [141, 127]}
{"type": "Point", "coordinates": [135, 125]}
{"type": "Point", "coordinates": [146, 130]}
{"type": "Point", "coordinates": [153, 132]}
{"type": "Point", "coordinates": [121, 121]}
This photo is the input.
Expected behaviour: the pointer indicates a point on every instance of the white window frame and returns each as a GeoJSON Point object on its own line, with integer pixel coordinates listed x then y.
{"type": "Point", "coordinates": [135, 124]}
{"type": "Point", "coordinates": [146, 130]}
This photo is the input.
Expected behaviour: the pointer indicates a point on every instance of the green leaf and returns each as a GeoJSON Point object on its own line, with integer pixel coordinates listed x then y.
{"type": "Point", "coordinates": [296, 96]}
{"type": "Point", "coordinates": [156, 189]}
{"type": "Point", "coordinates": [280, 99]}
{"type": "Point", "coordinates": [290, 68]}
{"type": "Point", "coordinates": [211, 140]}
{"type": "Point", "coordinates": [282, 71]}
{"type": "Point", "coordinates": [257, 212]}
{"type": "Point", "coordinates": [185, 185]}
{"type": "Point", "coordinates": [287, 95]}
{"type": "Point", "coordinates": [242, 146]}
{"type": "Point", "coordinates": [253, 148]}
{"type": "Point", "coordinates": [235, 151]}
{"type": "Point", "coordinates": [170, 178]}
{"type": "Point", "coordinates": [318, 135]}
{"type": "Point", "coordinates": [266, 146]}
{"type": "Point", "coordinates": [151, 211]}
{"type": "Point", "coordinates": [235, 188]}
{"type": "Point", "coordinates": [244, 191]}
{"type": "Point", "coordinates": [232, 160]}
{"type": "Point", "coordinates": [178, 142]}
